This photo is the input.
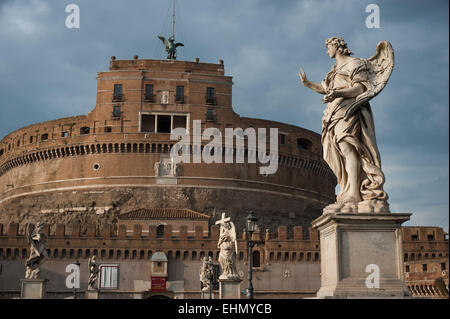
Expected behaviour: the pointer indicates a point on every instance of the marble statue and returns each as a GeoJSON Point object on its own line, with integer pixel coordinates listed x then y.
{"type": "Point", "coordinates": [93, 272]}
{"type": "Point", "coordinates": [206, 273]}
{"type": "Point", "coordinates": [38, 253]}
{"type": "Point", "coordinates": [348, 132]}
{"type": "Point", "coordinates": [228, 248]}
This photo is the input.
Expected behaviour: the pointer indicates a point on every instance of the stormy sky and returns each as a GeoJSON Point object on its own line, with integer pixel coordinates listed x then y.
{"type": "Point", "coordinates": [49, 71]}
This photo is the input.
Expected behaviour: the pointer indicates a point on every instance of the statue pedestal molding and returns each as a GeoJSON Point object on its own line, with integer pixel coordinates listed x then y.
{"type": "Point", "coordinates": [353, 248]}
{"type": "Point", "coordinates": [205, 295]}
{"type": "Point", "coordinates": [33, 288]}
{"type": "Point", "coordinates": [229, 288]}
{"type": "Point", "coordinates": [91, 294]}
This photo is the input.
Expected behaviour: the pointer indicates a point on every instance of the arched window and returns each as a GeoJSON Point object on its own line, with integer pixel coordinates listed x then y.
{"type": "Point", "coordinates": [160, 231]}
{"type": "Point", "coordinates": [256, 259]}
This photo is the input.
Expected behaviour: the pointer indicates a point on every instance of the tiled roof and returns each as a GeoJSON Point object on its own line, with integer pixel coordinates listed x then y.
{"type": "Point", "coordinates": [163, 213]}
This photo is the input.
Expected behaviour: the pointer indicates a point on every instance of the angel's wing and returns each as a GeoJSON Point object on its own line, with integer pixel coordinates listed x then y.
{"type": "Point", "coordinates": [380, 66]}
{"type": "Point", "coordinates": [29, 233]}
{"type": "Point", "coordinates": [178, 44]}
{"type": "Point", "coordinates": [163, 40]}
{"type": "Point", "coordinates": [233, 236]}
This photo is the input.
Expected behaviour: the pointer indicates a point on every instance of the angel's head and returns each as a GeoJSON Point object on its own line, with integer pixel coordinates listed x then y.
{"type": "Point", "coordinates": [337, 44]}
{"type": "Point", "coordinates": [227, 225]}
{"type": "Point", "coordinates": [40, 225]}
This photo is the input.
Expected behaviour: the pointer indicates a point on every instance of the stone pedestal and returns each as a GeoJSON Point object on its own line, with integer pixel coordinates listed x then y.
{"type": "Point", "coordinates": [357, 250]}
{"type": "Point", "coordinates": [33, 288]}
{"type": "Point", "coordinates": [205, 295]}
{"type": "Point", "coordinates": [230, 288]}
{"type": "Point", "coordinates": [91, 294]}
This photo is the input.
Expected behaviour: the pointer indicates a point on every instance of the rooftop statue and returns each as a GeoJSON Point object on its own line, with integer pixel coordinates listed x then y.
{"type": "Point", "coordinates": [171, 47]}
{"type": "Point", "coordinates": [37, 240]}
{"type": "Point", "coordinates": [348, 131]}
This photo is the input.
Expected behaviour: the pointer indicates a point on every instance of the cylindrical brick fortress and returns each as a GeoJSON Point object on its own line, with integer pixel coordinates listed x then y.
{"type": "Point", "coordinates": [112, 160]}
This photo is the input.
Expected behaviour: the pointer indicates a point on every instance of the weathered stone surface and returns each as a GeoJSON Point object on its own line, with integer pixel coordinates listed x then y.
{"type": "Point", "coordinates": [353, 246]}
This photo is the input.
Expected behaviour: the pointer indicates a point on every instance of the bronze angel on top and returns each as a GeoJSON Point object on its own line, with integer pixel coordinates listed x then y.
{"type": "Point", "coordinates": [348, 131]}
{"type": "Point", "coordinates": [171, 46]}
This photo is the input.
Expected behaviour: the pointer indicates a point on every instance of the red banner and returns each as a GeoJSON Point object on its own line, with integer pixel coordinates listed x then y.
{"type": "Point", "coordinates": [158, 284]}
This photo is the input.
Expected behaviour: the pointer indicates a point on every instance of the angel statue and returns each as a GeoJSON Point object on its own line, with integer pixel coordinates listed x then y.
{"type": "Point", "coordinates": [348, 132]}
{"type": "Point", "coordinates": [171, 47]}
{"type": "Point", "coordinates": [228, 248]}
{"type": "Point", "coordinates": [93, 272]}
{"type": "Point", "coordinates": [37, 239]}
{"type": "Point", "coordinates": [206, 273]}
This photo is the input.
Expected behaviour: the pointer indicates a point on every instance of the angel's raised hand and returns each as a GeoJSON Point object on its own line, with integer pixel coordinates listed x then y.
{"type": "Point", "coordinates": [302, 76]}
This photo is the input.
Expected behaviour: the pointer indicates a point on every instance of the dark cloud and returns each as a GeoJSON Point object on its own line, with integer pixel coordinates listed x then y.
{"type": "Point", "coordinates": [49, 71]}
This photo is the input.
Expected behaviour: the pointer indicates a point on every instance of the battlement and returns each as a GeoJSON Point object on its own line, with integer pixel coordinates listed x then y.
{"type": "Point", "coordinates": [167, 65]}
{"type": "Point", "coordinates": [90, 232]}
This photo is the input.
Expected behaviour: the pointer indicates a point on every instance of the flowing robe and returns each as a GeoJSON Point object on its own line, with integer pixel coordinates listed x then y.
{"type": "Point", "coordinates": [358, 130]}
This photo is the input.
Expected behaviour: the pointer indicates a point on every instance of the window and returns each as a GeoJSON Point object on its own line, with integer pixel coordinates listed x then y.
{"type": "Point", "coordinates": [148, 123]}
{"type": "Point", "coordinates": [160, 231]}
{"type": "Point", "coordinates": [256, 259]}
{"type": "Point", "coordinates": [443, 266]}
{"type": "Point", "coordinates": [430, 237]}
{"type": "Point", "coordinates": [116, 111]}
{"type": "Point", "coordinates": [117, 92]}
{"type": "Point", "coordinates": [18, 143]}
{"type": "Point", "coordinates": [407, 268]}
{"type": "Point", "coordinates": [1, 152]}
{"type": "Point", "coordinates": [424, 267]}
{"type": "Point", "coordinates": [84, 130]}
{"type": "Point", "coordinates": [44, 137]}
{"type": "Point", "coordinates": [179, 97]}
{"type": "Point", "coordinates": [179, 121]}
{"type": "Point", "coordinates": [163, 123]}
{"type": "Point", "coordinates": [210, 98]}
{"type": "Point", "coordinates": [415, 237]}
{"type": "Point", "coordinates": [149, 92]}
{"type": "Point", "coordinates": [108, 129]}
{"type": "Point", "coordinates": [109, 274]}
{"type": "Point", "coordinates": [304, 144]}
{"type": "Point", "coordinates": [31, 139]}
{"type": "Point", "coordinates": [282, 139]}
{"type": "Point", "coordinates": [64, 134]}
{"type": "Point", "coordinates": [210, 115]}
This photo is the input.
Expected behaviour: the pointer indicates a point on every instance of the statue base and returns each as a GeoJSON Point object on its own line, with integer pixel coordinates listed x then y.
{"type": "Point", "coordinates": [230, 288]}
{"type": "Point", "coordinates": [205, 295]}
{"type": "Point", "coordinates": [361, 255]}
{"type": "Point", "coordinates": [365, 207]}
{"type": "Point", "coordinates": [33, 288]}
{"type": "Point", "coordinates": [91, 294]}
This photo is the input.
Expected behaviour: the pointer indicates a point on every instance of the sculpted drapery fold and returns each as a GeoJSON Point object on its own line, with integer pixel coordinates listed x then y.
{"type": "Point", "coordinates": [358, 130]}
